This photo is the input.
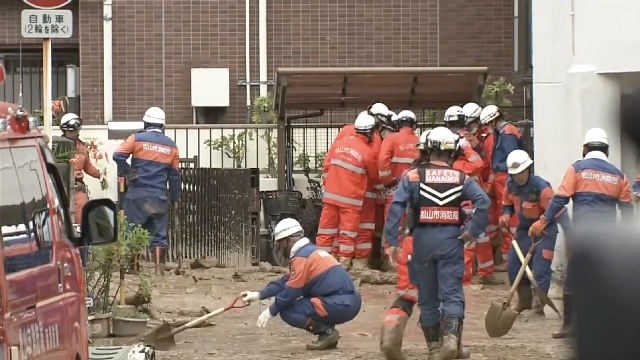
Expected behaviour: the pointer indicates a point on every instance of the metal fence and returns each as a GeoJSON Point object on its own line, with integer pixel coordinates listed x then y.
{"type": "Point", "coordinates": [216, 217]}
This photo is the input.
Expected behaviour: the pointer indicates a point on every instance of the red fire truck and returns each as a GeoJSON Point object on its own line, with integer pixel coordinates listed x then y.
{"type": "Point", "coordinates": [42, 294]}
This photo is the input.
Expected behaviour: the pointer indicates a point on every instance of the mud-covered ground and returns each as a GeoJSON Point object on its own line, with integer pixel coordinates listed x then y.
{"type": "Point", "coordinates": [235, 335]}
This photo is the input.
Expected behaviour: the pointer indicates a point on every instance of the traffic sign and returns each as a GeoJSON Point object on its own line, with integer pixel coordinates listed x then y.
{"type": "Point", "coordinates": [3, 74]}
{"type": "Point", "coordinates": [47, 4]}
{"type": "Point", "coordinates": [46, 24]}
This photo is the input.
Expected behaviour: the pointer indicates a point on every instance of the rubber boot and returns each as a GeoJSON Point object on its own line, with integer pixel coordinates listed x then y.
{"type": "Point", "coordinates": [566, 330]}
{"type": "Point", "coordinates": [450, 339]}
{"type": "Point", "coordinates": [525, 298]}
{"type": "Point", "coordinates": [463, 352]}
{"type": "Point", "coordinates": [500, 268]}
{"type": "Point", "coordinates": [395, 321]}
{"type": "Point", "coordinates": [160, 260]}
{"type": "Point", "coordinates": [345, 262]}
{"type": "Point", "coordinates": [538, 307]}
{"type": "Point", "coordinates": [327, 336]}
{"type": "Point", "coordinates": [491, 280]}
{"type": "Point", "coordinates": [433, 337]}
{"type": "Point", "coordinates": [359, 264]}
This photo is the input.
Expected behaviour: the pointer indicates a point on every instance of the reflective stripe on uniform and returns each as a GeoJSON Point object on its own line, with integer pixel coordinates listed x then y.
{"type": "Point", "coordinates": [323, 231]}
{"type": "Point", "coordinates": [371, 195]}
{"type": "Point", "coordinates": [383, 173]}
{"type": "Point", "coordinates": [326, 248]}
{"type": "Point", "coordinates": [346, 165]}
{"type": "Point", "coordinates": [409, 292]}
{"type": "Point", "coordinates": [474, 158]}
{"type": "Point", "coordinates": [343, 199]}
{"type": "Point", "coordinates": [367, 226]}
{"type": "Point", "coordinates": [351, 234]}
{"type": "Point", "coordinates": [401, 160]}
{"type": "Point", "coordinates": [363, 246]}
{"type": "Point", "coordinates": [336, 243]}
{"type": "Point", "coordinates": [346, 248]}
{"type": "Point", "coordinates": [485, 265]}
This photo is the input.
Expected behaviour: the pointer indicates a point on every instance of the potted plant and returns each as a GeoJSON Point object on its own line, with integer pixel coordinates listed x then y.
{"type": "Point", "coordinates": [106, 261]}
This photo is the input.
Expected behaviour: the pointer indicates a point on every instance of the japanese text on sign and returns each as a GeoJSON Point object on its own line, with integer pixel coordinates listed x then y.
{"type": "Point", "coordinates": [47, 24]}
{"type": "Point", "coordinates": [36, 339]}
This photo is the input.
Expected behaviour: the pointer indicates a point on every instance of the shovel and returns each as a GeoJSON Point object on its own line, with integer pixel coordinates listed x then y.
{"type": "Point", "coordinates": [162, 337]}
{"type": "Point", "coordinates": [544, 298]}
{"type": "Point", "coordinates": [500, 317]}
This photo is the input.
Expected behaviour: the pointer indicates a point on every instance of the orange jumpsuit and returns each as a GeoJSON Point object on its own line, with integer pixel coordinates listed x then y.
{"type": "Point", "coordinates": [367, 226]}
{"type": "Point", "coordinates": [352, 167]}
{"type": "Point", "coordinates": [397, 153]}
{"type": "Point", "coordinates": [82, 163]}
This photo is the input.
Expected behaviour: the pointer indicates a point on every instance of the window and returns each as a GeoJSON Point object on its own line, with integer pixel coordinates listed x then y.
{"type": "Point", "coordinates": [24, 210]}
{"type": "Point", "coordinates": [523, 38]}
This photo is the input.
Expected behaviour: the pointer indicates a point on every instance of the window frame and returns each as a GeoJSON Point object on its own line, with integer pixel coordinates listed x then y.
{"type": "Point", "coordinates": [523, 40]}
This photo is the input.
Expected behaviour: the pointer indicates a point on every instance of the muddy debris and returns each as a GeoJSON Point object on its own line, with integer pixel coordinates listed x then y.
{"type": "Point", "coordinates": [374, 277]}
{"type": "Point", "coordinates": [203, 263]}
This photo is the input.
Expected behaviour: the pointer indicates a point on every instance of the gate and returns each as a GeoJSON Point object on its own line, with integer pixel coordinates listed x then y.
{"type": "Point", "coordinates": [214, 217]}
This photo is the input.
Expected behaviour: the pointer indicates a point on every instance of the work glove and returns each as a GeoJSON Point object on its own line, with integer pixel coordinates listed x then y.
{"type": "Point", "coordinates": [467, 238]}
{"type": "Point", "coordinates": [392, 252]}
{"type": "Point", "coordinates": [504, 219]}
{"type": "Point", "coordinates": [537, 227]}
{"type": "Point", "coordinates": [264, 318]}
{"type": "Point", "coordinates": [250, 296]}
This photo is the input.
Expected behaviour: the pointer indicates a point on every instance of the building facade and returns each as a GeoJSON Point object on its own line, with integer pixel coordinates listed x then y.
{"type": "Point", "coordinates": [156, 43]}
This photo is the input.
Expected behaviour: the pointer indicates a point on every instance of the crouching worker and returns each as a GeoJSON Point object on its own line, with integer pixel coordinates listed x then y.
{"type": "Point", "coordinates": [316, 295]}
{"type": "Point", "coordinates": [533, 195]}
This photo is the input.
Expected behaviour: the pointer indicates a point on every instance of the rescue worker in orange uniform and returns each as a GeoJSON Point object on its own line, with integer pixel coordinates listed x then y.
{"type": "Point", "coordinates": [507, 139]}
{"type": "Point", "coordinates": [468, 159]}
{"type": "Point", "coordinates": [352, 167]}
{"type": "Point", "coordinates": [70, 124]}
{"type": "Point", "coordinates": [316, 295]}
{"type": "Point", "coordinates": [382, 115]}
{"type": "Point", "coordinates": [485, 136]}
{"type": "Point", "coordinates": [598, 190]}
{"type": "Point", "coordinates": [397, 153]}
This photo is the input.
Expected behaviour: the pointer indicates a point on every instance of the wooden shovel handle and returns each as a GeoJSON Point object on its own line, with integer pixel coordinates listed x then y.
{"type": "Point", "coordinates": [516, 282]}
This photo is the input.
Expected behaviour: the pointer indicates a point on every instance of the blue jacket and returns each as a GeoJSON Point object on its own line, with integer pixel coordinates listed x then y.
{"type": "Point", "coordinates": [597, 188]}
{"type": "Point", "coordinates": [508, 138]}
{"type": "Point", "coordinates": [408, 192]}
{"type": "Point", "coordinates": [532, 199]}
{"type": "Point", "coordinates": [314, 273]}
{"type": "Point", "coordinates": [154, 157]}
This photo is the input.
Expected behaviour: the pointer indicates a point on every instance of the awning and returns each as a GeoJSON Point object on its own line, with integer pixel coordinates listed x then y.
{"type": "Point", "coordinates": [356, 88]}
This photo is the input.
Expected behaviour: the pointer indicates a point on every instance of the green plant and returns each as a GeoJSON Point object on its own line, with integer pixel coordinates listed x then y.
{"type": "Point", "coordinates": [319, 160]}
{"type": "Point", "coordinates": [263, 114]}
{"type": "Point", "coordinates": [105, 260]}
{"type": "Point", "coordinates": [302, 160]}
{"type": "Point", "coordinates": [495, 93]}
{"type": "Point", "coordinates": [234, 146]}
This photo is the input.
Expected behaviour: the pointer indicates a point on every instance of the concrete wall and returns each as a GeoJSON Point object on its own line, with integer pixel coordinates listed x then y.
{"type": "Point", "coordinates": [585, 55]}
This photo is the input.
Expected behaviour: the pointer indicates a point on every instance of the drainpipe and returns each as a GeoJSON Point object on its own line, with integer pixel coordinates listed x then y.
{"type": "Point", "coordinates": [262, 36]}
{"type": "Point", "coordinates": [247, 55]}
{"type": "Point", "coordinates": [107, 60]}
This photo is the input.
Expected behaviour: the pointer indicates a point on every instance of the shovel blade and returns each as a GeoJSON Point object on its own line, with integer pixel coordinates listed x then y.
{"type": "Point", "coordinates": [499, 319]}
{"type": "Point", "coordinates": [160, 337]}
{"type": "Point", "coordinates": [545, 299]}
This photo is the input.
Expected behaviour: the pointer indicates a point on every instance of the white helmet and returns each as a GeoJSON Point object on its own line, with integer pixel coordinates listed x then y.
{"type": "Point", "coordinates": [154, 115]}
{"type": "Point", "coordinates": [379, 109]}
{"type": "Point", "coordinates": [518, 161]}
{"type": "Point", "coordinates": [454, 113]}
{"type": "Point", "coordinates": [393, 116]}
{"type": "Point", "coordinates": [285, 228]}
{"type": "Point", "coordinates": [441, 138]}
{"type": "Point", "coordinates": [364, 123]}
{"type": "Point", "coordinates": [407, 115]}
{"type": "Point", "coordinates": [70, 122]}
{"type": "Point", "coordinates": [596, 137]}
{"type": "Point", "coordinates": [422, 142]}
{"type": "Point", "coordinates": [489, 113]}
{"type": "Point", "coordinates": [472, 111]}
